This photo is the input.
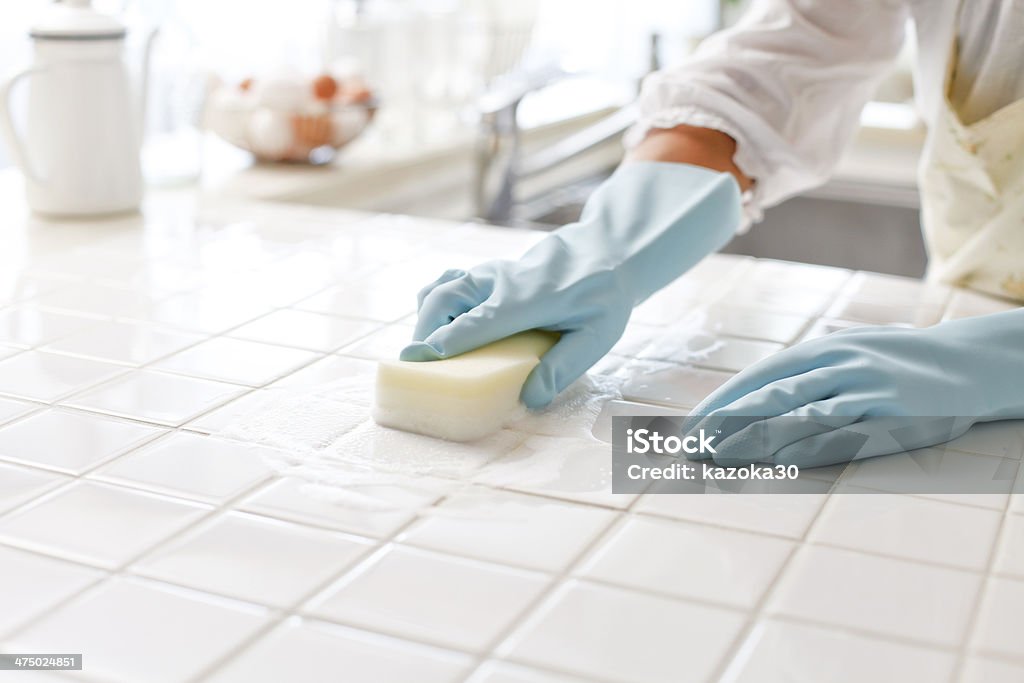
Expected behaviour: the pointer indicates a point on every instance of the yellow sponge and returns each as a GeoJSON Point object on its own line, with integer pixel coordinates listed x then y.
{"type": "Point", "coordinates": [461, 398]}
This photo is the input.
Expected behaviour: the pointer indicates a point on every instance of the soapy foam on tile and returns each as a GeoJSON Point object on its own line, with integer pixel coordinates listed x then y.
{"type": "Point", "coordinates": [325, 437]}
{"type": "Point", "coordinates": [685, 341]}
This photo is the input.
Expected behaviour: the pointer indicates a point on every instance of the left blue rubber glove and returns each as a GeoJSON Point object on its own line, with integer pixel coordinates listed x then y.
{"type": "Point", "coordinates": [869, 391]}
{"type": "Point", "coordinates": [644, 227]}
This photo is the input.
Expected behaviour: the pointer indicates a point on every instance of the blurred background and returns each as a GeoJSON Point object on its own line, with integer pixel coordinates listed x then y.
{"type": "Point", "coordinates": [506, 111]}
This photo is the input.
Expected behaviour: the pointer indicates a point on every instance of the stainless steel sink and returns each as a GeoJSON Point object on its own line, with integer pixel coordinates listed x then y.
{"type": "Point", "coordinates": [885, 239]}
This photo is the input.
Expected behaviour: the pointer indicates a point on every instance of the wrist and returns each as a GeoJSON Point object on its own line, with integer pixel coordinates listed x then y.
{"type": "Point", "coordinates": [705, 147]}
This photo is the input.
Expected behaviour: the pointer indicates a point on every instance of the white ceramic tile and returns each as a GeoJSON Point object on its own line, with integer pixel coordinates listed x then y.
{"type": "Point", "coordinates": [909, 527]}
{"type": "Point", "coordinates": [787, 515]}
{"type": "Point", "coordinates": [28, 326]}
{"type": "Point", "coordinates": [317, 652]}
{"type": "Point", "coordinates": [124, 342]}
{"type": "Point", "coordinates": [1001, 619]}
{"type": "Point", "coordinates": [50, 376]}
{"type": "Point", "coordinates": [615, 634]}
{"type": "Point", "coordinates": [895, 290]}
{"type": "Point", "coordinates": [431, 598]}
{"type": "Point", "coordinates": [602, 428]}
{"type": "Point", "coordinates": [378, 511]}
{"type": "Point", "coordinates": [136, 630]}
{"type": "Point", "coordinates": [68, 441]}
{"type": "Point", "coordinates": [510, 528]}
{"type": "Point", "coordinates": [278, 284]}
{"type": "Point", "coordinates": [687, 346]}
{"type": "Point", "coordinates": [92, 263]}
{"type": "Point", "coordinates": [736, 321]}
{"type": "Point", "coordinates": [1004, 439]}
{"type": "Point", "coordinates": [191, 465]}
{"type": "Point", "coordinates": [634, 339]}
{"type": "Point", "coordinates": [885, 596]}
{"type": "Point", "coordinates": [225, 420]}
{"type": "Point", "coordinates": [385, 343]}
{"type": "Point", "coordinates": [719, 268]}
{"type": "Point", "coordinates": [327, 370]}
{"type": "Point", "coordinates": [11, 409]}
{"type": "Point", "coordinates": [571, 468]}
{"type": "Point", "coordinates": [158, 397]}
{"type": "Point", "coordinates": [737, 354]}
{"type": "Point", "coordinates": [405, 457]}
{"type": "Point", "coordinates": [824, 326]}
{"type": "Point", "coordinates": [796, 275]}
{"type": "Point", "coordinates": [254, 558]}
{"type": "Point", "coordinates": [19, 485]}
{"type": "Point", "coordinates": [878, 313]}
{"type": "Point", "coordinates": [34, 583]}
{"type": "Point", "coordinates": [97, 523]}
{"type": "Point", "coordinates": [496, 671]}
{"type": "Point", "coordinates": [987, 670]}
{"type": "Point", "coordinates": [688, 560]}
{"type": "Point", "coordinates": [954, 476]}
{"type": "Point", "coordinates": [1009, 559]}
{"type": "Point", "coordinates": [205, 311]}
{"type": "Point", "coordinates": [667, 307]}
{"type": "Point", "coordinates": [783, 652]}
{"type": "Point", "coordinates": [95, 299]}
{"type": "Point", "coordinates": [608, 366]}
{"type": "Point", "coordinates": [237, 360]}
{"type": "Point", "coordinates": [385, 305]}
{"type": "Point", "coordinates": [314, 331]}
{"type": "Point", "coordinates": [17, 286]}
{"type": "Point", "coordinates": [806, 301]}
{"type": "Point", "coordinates": [669, 383]}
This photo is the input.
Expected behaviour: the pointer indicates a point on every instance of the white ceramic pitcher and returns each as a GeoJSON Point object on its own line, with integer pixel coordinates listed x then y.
{"type": "Point", "coordinates": [80, 150]}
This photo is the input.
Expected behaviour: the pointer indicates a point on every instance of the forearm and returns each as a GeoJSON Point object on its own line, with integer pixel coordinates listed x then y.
{"type": "Point", "coordinates": [691, 145]}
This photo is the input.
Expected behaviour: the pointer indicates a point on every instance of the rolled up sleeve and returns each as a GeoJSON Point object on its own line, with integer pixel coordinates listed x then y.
{"type": "Point", "coordinates": [787, 82]}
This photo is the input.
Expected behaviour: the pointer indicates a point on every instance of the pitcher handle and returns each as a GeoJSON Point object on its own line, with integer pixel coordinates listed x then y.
{"type": "Point", "coordinates": [16, 145]}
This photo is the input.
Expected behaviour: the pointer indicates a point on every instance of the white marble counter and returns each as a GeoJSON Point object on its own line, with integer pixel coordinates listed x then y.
{"type": "Point", "coordinates": [137, 529]}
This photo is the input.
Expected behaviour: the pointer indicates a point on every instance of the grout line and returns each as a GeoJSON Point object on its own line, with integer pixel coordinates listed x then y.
{"type": "Point", "coordinates": [294, 609]}
{"type": "Point", "coordinates": [975, 614]}
{"type": "Point", "coordinates": [213, 511]}
{"type": "Point", "coordinates": [727, 665]}
{"type": "Point", "coordinates": [528, 612]}
{"type": "Point", "coordinates": [559, 579]}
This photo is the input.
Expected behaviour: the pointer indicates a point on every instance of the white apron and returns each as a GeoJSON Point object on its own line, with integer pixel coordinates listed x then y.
{"type": "Point", "coordinates": [972, 198]}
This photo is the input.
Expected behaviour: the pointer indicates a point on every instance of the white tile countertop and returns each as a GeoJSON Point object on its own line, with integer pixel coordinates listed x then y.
{"type": "Point", "coordinates": [140, 527]}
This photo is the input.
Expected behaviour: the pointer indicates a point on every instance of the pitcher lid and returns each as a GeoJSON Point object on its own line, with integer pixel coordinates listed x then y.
{"type": "Point", "coordinates": [76, 20]}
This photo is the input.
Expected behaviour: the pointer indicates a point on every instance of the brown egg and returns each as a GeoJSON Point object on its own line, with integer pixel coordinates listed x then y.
{"type": "Point", "coordinates": [245, 85]}
{"type": "Point", "coordinates": [325, 87]}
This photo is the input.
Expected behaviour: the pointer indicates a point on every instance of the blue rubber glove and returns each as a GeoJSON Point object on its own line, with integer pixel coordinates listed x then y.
{"type": "Point", "coordinates": [643, 228]}
{"type": "Point", "coordinates": [849, 395]}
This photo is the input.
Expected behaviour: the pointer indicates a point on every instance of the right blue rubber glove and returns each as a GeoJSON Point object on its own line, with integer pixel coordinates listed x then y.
{"type": "Point", "coordinates": [868, 391]}
{"type": "Point", "coordinates": [644, 227]}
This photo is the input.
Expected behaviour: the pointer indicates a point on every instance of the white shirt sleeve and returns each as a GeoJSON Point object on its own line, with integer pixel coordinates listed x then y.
{"type": "Point", "coordinates": [787, 82]}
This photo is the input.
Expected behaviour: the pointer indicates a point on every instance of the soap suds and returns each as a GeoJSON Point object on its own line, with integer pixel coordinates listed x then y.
{"type": "Point", "coordinates": [324, 436]}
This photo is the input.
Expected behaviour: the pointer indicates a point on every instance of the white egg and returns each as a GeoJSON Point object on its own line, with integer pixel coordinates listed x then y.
{"type": "Point", "coordinates": [345, 67]}
{"type": "Point", "coordinates": [282, 93]}
{"type": "Point", "coordinates": [270, 133]}
{"type": "Point", "coordinates": [226, 115]}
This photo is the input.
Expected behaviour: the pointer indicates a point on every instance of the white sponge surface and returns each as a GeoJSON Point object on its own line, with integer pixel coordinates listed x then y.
{"type": "Point", "coordinates": [462, 398]}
